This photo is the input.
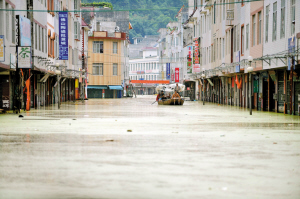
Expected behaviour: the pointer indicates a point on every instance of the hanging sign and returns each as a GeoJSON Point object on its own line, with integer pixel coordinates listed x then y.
{"type": "Point", "coordinates": [168, 70]}
{"type": "Point", "coordinates": [196, 51]}
{"type": "Point", "coordinates": [190, 59]}
{"type": "Point", "coordinates": [2, 55]}
{"type": "Point", "coordinates": [176, 74]}
{"type": "Point", "coordinates": [24, 57]}
{"type": "Point", "coordinates": [63, 36]}
{"type": "Point", "coordinates": [196, 68]}
{"type": "Point", "coordinates": [25, 31]}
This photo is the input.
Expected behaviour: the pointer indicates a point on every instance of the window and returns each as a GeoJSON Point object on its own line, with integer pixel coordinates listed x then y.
{"type": "Point", "coordinates": [76, 30]}
{"type": "Point", "coordinates": [115, 69]}
{"type": "Point", "coordinates": [253, 29]}
{"type": "Point", "coordinates": [293, 17]}
{"type": "Point", "coordinates": [76, 6]}
{"type": "Point", "coordinates": [97, 69]}
{"type": "Point", "coordinates": [214, 12]}
{"type": "Point", "coordinates": [259, 28]}
{"type": "Point", "coordinates": [274, 21]}
{"type": "Point", "coordinates": [7, 21]}
{"type": "Point", "coordinates": [242, 40]}
{"type": "Point", "coordinates": [97, 26]}
{"type": "Point", "coordinates": [35, 35]}
{"type": "Point", "coordinates": [224, 5]}
{"type": "Point", "coordinates": [247, 36]}
{"type": "Point", "coordinates": [115, 47]}
{"type": "Point", "coordinates": [282, 28]}
{"type": "Point", "coordinates": [13, 33]}
{"type": "Point", "coordinates": [267, 23]}
{"type": "Point", "coordinates": [223, 49]}
{"type": "Point", "coordinates": [40, 37]}
{"type": "Point", "coordinates": [234, 39]}
{"type": "Point", "coordinates": [98, 47]}
{"type": "Point", "coordinates": [45, 35]}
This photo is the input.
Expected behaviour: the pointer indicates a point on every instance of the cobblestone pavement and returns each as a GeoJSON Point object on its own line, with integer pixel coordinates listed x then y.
{"type": "Point", "coordinates": [128, 148]}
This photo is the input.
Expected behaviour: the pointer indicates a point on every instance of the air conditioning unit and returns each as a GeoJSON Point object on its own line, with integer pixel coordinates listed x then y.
{"type": "Point", "coordinates": [117, 29]}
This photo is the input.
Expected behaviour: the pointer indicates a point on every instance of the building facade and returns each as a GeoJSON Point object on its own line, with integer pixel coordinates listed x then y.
{"type": "Point", "coordinates": [49, 79]}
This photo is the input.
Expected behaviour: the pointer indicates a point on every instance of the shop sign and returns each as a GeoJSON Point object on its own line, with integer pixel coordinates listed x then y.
{"type": "Point", "coordinates": [63, 36]}
{"type": "Point", "coordinates": [176, 74]}
{"type": "Point", "coordinates": [168, 66]}
{"type": "Point", "coordinates": [25, 31]}
{"type": "Point", "coordinates": [2, 53]}
{"type": "Point", "coordinates": [24, 57]}
{"type": "Point", "coordinates": [196, 51]}
{"type": "Point", "coordinates": [190, 59]}
{"type": "Point", "coordinates": [196, 68]}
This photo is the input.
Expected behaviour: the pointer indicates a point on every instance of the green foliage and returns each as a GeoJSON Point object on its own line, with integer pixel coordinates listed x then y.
{"type": "Point", "coordinates": [98, 4]}
{"type": "Point", "coordinates": [148, 16]}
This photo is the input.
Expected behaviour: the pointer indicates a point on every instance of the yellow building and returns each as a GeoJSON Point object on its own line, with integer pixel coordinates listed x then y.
{"type": "Point", "coordinates": [104, 64]}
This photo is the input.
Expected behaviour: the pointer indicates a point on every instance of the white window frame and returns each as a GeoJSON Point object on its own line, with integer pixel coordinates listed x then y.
{"type": "Point", "coordinates": [267, 23]}
{"type": "Point", "coordinates": [97, 46]}
{"type": "Point", "coordinates": [282, 19]}
{"type": "Point", "coordinates": [274, 33]}
{"type": "Point", "coordinates": [99, 71]}
{"type": "Point", "coordinates": [115, 69]}
{"type": "Point", "coordinates": [115, 47]}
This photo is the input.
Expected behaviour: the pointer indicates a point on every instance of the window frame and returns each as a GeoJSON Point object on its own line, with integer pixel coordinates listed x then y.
{"type": "Point", "coordinates": [267, 23]}
{"type": "Point", "coordinates": [115, 48]}
{"type": "Point", "coordinates": [274, 23]}
{"type": "Point", "coordinates": [97, 47]}
{"type": "Point", "coordinates": [253, 29]}
{"type": "Point", "coordinates": [115, 69]}
{"type": "Point", "coordinates": [100, 69]}
{"type": "Point", "coordinates": [282, 19]}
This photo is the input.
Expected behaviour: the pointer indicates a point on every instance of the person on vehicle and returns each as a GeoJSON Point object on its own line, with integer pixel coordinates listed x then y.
{"type": "Point", "coordinates": [175, 95]}
{"type": "Point", "coordinates": [177, 88]}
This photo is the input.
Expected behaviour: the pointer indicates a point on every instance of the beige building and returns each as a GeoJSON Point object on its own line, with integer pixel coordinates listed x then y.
{"type": "Point", "coordinates": [105, 64]}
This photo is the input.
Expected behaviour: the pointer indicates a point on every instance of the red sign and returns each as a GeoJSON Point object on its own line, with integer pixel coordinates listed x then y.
{"type": "Point", "coordinates": [176, 74]}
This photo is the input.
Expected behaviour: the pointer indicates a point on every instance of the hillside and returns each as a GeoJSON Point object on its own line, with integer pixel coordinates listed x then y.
{"type": "Point", "coordinates": [146, 16]}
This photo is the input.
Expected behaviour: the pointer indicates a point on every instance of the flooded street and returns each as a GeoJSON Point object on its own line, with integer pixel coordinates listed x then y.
{"type": "Point", "coordinates": [128, 148]}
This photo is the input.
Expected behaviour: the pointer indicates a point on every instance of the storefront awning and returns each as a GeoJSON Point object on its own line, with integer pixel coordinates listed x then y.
{"type": "Point", "coordinates": [115, 87]}
{"type": "Point", "coordinates": [96, 87]}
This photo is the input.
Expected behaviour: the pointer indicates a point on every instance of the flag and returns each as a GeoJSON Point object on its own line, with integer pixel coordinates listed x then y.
{"type": "Point", "coordinates": [130, 26]}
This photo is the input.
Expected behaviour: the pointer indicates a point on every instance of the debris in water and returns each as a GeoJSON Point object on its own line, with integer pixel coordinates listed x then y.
{"type": "Point", "coordinates": [21, 116]}
{"type": "Point", "coordinates": [222, 135]}
{"type": "Point", "coordinates": [129, 130]}
{"type": "Point", "coordinates": [74, 119]}
{"type": "Point", "coordinates": [274, 142]}
{"type": "Point", "coordinates": [109, 140]}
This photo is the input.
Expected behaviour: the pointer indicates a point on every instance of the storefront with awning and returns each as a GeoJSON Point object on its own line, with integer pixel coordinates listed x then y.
{"type": "Point", "coordinates": [103, 91]}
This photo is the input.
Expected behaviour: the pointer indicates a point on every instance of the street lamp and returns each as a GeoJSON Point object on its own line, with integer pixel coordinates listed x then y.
{"type": "Point", "coordinates": [203, 76]}
{"type": "Point", "coordinates": [58, 73]}
{"type": "Point", "coordinates": [250, 69]}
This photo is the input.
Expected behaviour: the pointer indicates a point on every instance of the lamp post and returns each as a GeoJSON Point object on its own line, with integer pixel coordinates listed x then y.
{"type": "Point", "coordinates": [58, 73]}
{"type": "Point", "coordinates": [250, 69]}
{"type": "Point", "coordinates": [203, 76]}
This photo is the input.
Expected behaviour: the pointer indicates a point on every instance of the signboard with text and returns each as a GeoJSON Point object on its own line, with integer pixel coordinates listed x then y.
{"type": "Point", "coordinates": [24, 57]}
{"type": "Point", "coordinates": [2, 55]}
{"type": "Point", "coordinates": [196, 68]}
{"type": "Point", "coordinates": [196, 51]}
{"type": "Point", "coordinates": [190, 59]}
{"type": "Point", "coordinates": [168, 70]}
{"type": "Point", "coordinates": [25, 31]}
{"type": "Point", "coordinates": [176, 74]}
{"type": "Point", "coordinates": [63, 36]}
